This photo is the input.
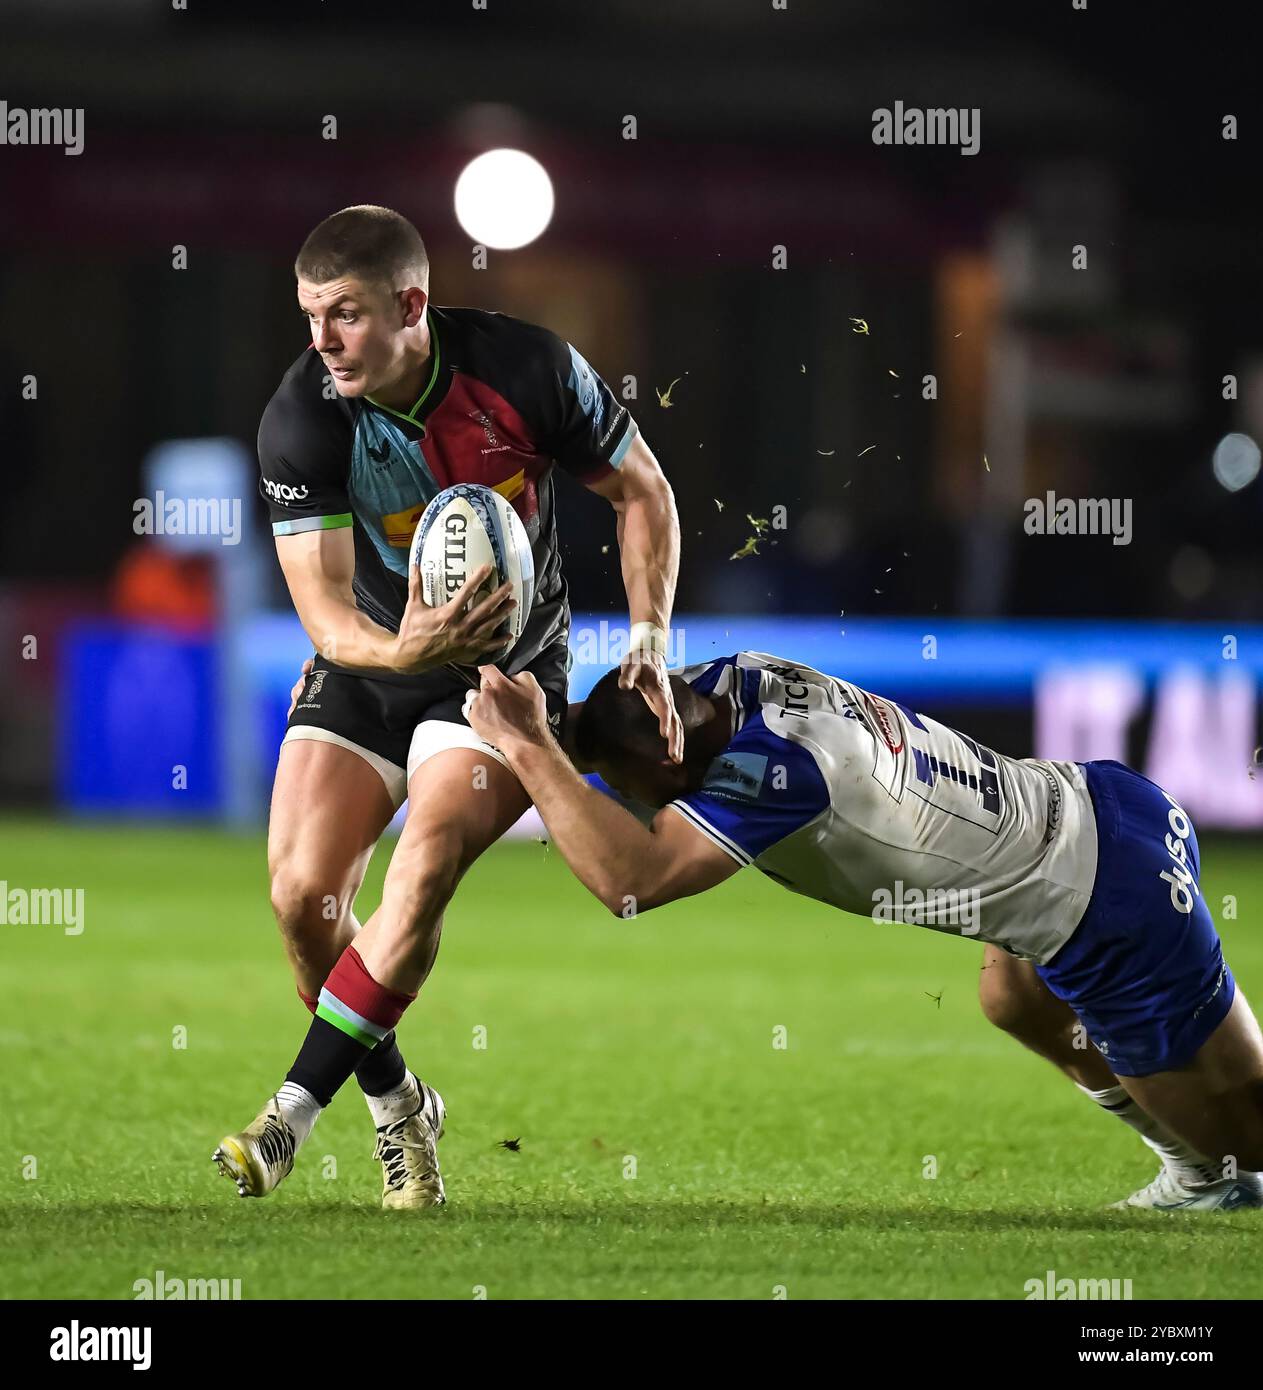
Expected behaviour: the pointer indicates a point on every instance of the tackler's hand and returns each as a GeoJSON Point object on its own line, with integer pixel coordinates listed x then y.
{"type": "Point", "coordinates": [646, 671]}
{"type": "Point", "coordinates": [507, 708]}
{"type": "Point", "coordinates": [299, 683]}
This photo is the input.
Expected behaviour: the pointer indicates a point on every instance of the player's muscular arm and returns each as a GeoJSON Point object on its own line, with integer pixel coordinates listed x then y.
{"type": "Point", "coordinates": [648, 533]}
{"type": "Point", "coordinates": [318, 568]}
{"type": "Point", "coordinates": [629, 867]}
{"type": "Point", "coordinates": [649, 548]}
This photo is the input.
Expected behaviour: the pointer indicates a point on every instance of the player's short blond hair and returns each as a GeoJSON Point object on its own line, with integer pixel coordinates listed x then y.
{"type": "Point", "coordinates": [371, 243]}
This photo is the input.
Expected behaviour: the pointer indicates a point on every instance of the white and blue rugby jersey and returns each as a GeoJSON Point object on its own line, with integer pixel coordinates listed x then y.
{"type": "Point", "coordinates": [853, 799]}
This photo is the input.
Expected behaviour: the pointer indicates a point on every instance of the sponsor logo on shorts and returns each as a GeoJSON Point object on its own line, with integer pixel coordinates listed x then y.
{"type": "Point", "coordinates": [314, 686]}
{"type": "Point", "coordinates": [1219, 984]}
{"type": "Point", "coordinates": [1180, 877]}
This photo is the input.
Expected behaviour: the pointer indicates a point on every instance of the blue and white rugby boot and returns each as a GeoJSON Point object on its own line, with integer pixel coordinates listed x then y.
{"type": "Point", "coordinates": [1170, 1192]}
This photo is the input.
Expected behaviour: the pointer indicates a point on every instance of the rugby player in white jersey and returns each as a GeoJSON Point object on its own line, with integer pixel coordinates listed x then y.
{"type": "Point", "coordinates": [1082, 879]}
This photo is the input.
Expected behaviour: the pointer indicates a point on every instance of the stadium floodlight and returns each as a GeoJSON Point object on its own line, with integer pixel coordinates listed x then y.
{"type": "Point", "coordinates": [504, 199]}
{"type": "Point", "coordinates": [1236, 461]}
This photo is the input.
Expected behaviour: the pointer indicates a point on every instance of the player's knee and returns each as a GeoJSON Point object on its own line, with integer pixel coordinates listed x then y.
{"type": "Point", "coordinates": [1006, 1000]}
{"type": "Point", "coordinates": [304, 906]}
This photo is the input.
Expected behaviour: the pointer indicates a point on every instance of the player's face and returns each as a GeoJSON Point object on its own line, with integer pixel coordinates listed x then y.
{"type": "Point", "coordinates": [359, 330]}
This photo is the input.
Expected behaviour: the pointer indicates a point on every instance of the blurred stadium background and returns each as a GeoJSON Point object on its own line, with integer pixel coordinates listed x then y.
{"type": "Point", "coordinates": [205, 129]}
{"type": "Point", "coordinates": [902, 563]}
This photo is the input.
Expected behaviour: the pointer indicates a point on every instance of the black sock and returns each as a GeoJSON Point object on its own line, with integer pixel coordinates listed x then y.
{"type": "Point", "coordinates": [326, 1060]}
{"type": "Point", "coordinates": [383, 1069]}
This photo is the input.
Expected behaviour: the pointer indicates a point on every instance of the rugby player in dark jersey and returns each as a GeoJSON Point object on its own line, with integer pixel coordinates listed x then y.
{"type": "Point", "coordinates": [395, 400]}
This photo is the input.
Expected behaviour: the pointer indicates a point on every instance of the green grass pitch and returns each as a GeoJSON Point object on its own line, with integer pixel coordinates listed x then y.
{"type": "Point", "coordinates": [668, 1149]}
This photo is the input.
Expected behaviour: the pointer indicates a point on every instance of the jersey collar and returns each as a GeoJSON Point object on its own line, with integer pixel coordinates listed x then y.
{"type": "Point", "coordinates": [724, 679]}
{"type": "Point", "coordinates": [432, 391]}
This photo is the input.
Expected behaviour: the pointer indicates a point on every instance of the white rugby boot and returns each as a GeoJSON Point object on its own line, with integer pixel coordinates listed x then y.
{"type": "Point", "coordinates": [261, 1155]}
{"type": "Point", "coordinates": [1168, 1192]}
{"type": "Point", "coordinates": [408, 1153]}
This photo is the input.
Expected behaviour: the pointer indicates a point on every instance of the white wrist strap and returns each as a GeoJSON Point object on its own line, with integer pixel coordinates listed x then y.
{"type": "Point", "coordinates": [647, 637]}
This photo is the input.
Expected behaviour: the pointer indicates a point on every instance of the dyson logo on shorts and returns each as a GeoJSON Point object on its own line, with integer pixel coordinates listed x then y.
{"type": "Point", "coordinates": [1180, 877]}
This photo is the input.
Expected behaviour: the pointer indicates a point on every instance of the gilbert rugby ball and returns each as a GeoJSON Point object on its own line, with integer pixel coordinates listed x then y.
{"type": "Point", "coordinates": [466, 526]}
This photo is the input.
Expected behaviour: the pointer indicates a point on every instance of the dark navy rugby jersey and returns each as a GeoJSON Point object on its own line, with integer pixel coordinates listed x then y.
{"type": "Point", "coordinates": [504, 401]}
